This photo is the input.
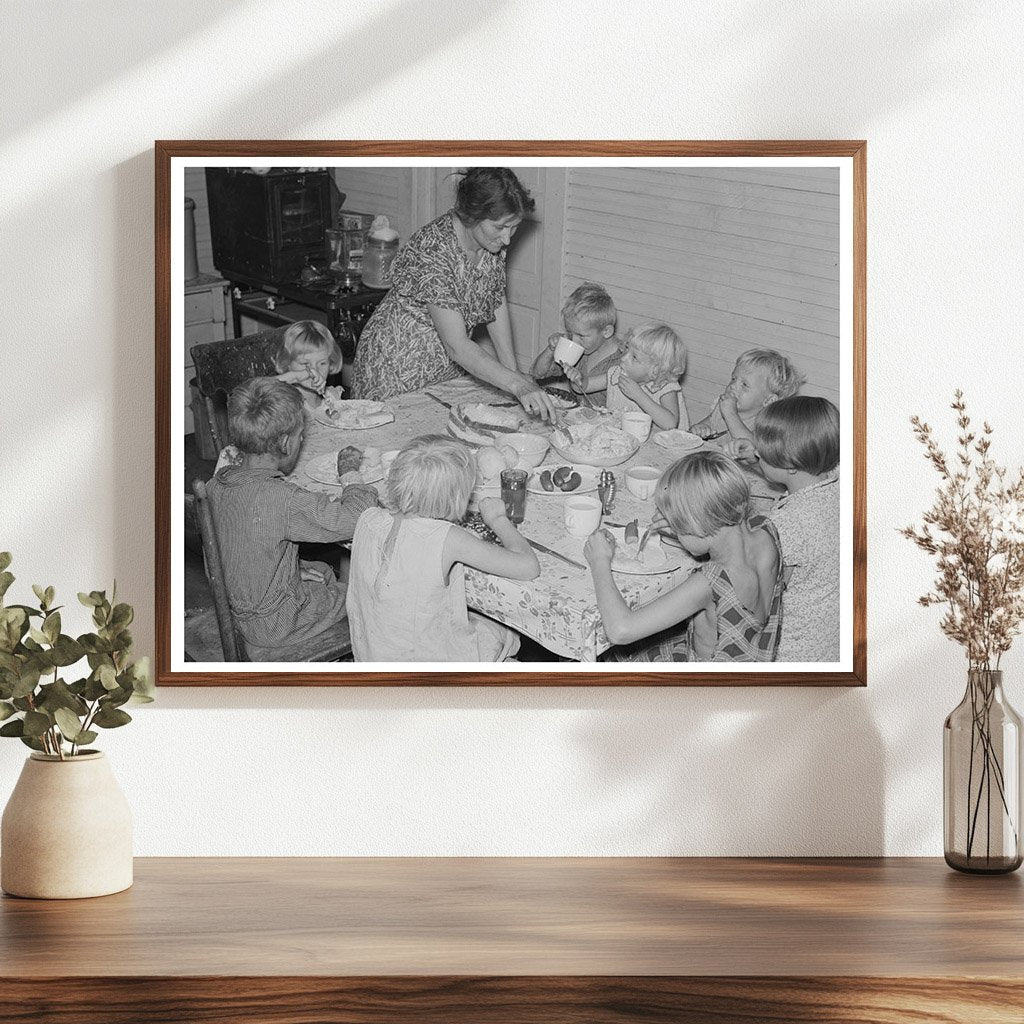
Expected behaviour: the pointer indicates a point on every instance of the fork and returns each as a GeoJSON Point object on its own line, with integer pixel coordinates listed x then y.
{"type": "Point", "coordinates": [582, 395]}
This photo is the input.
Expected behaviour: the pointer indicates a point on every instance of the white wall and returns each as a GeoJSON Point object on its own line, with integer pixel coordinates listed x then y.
{"type": "Point", "coordinates": [936, 89]}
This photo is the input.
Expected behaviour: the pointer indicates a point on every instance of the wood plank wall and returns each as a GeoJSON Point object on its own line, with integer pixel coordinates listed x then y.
{"type": "Point", "coordinates": [733, 258]}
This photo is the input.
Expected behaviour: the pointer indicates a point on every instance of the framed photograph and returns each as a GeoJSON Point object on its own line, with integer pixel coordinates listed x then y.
{"type": "Point", "coordinates": [510, 413]}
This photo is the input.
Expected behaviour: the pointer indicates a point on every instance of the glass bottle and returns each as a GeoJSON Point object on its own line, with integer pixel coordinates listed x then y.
{"type": "Point", "coordinates": [981, 779]}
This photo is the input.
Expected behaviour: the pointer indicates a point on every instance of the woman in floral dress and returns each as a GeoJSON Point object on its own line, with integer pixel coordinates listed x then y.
{"type": "Point", "coordinates": [448, 279]}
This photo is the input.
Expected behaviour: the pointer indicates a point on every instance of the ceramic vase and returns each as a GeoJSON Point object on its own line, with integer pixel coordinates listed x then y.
{"type": "Point", "coordinates": [981, 776]}
{"type": "Point", "coordinates": [66, 830]}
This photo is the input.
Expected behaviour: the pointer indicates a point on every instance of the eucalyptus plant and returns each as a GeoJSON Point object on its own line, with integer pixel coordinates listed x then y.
{"type": "Point", "coordinates": [46, 712]}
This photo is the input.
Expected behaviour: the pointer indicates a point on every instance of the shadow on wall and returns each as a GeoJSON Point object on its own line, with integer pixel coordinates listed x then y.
{"type": "Point", "coordinates": [846, 43]}
{"type": "Point", "coordinates": [344, 61]}
{"type": "Point", "coordinates": [738, 772]}
{"type": "Point", "coordinates": [117, 41]}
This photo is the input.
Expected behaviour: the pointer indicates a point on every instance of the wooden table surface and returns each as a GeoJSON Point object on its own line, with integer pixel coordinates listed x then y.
{"type": "Point", "coordinates": [523, 939]}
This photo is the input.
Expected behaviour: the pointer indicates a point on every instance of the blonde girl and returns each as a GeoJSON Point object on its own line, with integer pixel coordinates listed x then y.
{"type": "Point", "coordinates": [306, 356]}
{"type": "Point", "coordinates": [729, 607]}
{"type": "Point", "coordinates": [647, 376]}
{"type": "Point", "coordinates": [406, 596]}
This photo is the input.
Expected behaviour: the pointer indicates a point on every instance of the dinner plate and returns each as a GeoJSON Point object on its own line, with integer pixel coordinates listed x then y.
{"type": "Point", "coordinates": [658, 558]}
{"type": "Point", "coordinates": [324, 469]}
{"type": "Point", "coordinates": [357, 414]}
{"type": "Point", "coordinates": [678, 440]}
{"type": "Point", "coordinates": [588, 474]}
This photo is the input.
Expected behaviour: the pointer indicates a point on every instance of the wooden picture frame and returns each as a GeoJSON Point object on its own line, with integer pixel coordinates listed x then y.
{"type": "Point", "coordinates": [841, 312]}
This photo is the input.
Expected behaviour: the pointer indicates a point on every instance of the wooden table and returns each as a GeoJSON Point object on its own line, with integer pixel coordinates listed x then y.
{"type": "Point", "coordinates": [502, 941]}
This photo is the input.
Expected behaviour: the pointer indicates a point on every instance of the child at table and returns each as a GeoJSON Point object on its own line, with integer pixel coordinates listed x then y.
{"type": "Point", "coordinates": [588, 317]}
{"type": "Point", "coordinates": [646, 379]}
{"type": "Point", "coordinates": [796, 445]}
{"type": "Point", "coordinates": [407, 595]}
{"type": "Point", "coordinates": [306, 356]}
{"type": "Point", "coordinates": [277, 601]}
{"type": "Point", "coordinates": [730, 607]}
{"type": "Point", "coordinates": [761, 376]}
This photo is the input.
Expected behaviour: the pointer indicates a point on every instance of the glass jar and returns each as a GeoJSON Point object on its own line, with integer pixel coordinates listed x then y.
{"type": "Point", "coordinates": [981, 779]}
{"type": "Point", "coordinates": [378, 255]}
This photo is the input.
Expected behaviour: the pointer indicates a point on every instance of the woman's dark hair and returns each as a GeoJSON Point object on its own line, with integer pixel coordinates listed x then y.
{"type": "Point", "coordinates": [490, 193]}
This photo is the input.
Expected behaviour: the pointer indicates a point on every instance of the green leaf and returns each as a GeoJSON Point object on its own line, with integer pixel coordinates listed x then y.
{"type": "Point", "coordinates": [36, 723]}
{"type": "Point", "coordinates": [94, 689]}
{"type": "Point", "coordinates": [69, 724]}
{"type": "Point", "coordinates": [40, 593]}
{"type": "Point", "coordinates": [50, 595]}
{"type": "Point", "coordinates": [111, 718]}
{"type": "Point", "coordinates": [122, 616]}
{"type": "Point", "coordinates": [57, 695]}
{"type": "Point", "coordinates": [39, 636]}
{"type": "Point", "coordinates": [94, 644]}
{"type": "Point", "coordinates": [27, 681]}
{"type": "Point", "coordinates": [142, 682]}
{"type": "Point", "coordinates": [51, 626]}
{"type": "Point", "coordinates": [31, 741]}
{"type": "Point", "coordinates": [86, 736]}
{"type": "Point", "coordinates": [89, 600]}
{"type": "Point", "coordinates": [107, 676]}
{"type": "Point", "coordinates": [6, 579]}
{"type": "Point", "coordinates": [67, 651]}
{"type": "Point", "coordinates": [15, 728]}
{"type": "Point", "coordinates": [6, 710]}
{"type": "Point", "coordinates": [13, 623]}
{"type": "Point", "coordinates": [115, 698]}
{"type": "Point", "coordinates": [5, 559]}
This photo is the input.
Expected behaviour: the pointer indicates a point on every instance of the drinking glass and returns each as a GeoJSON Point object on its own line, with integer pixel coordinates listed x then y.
{"type": "Point", "coordinates": [513, 493]}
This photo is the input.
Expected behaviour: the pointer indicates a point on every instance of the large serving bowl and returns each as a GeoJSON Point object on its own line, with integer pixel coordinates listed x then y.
{"type": "Point", "coordinates": [531, 448]}
{"type": "Point", "coordinates": [594, 444]}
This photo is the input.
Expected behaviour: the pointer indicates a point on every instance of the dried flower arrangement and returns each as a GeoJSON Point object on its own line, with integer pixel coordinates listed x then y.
{"type": "Point", "coordinates": [975, 529]}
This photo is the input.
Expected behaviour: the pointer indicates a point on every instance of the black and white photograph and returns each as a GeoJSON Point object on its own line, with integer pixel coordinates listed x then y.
{"type": "Point", "coordinates": [583, 419]}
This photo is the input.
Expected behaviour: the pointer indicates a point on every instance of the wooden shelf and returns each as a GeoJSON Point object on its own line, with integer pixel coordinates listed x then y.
{"type": "Point", "coordinates": [507, 940]}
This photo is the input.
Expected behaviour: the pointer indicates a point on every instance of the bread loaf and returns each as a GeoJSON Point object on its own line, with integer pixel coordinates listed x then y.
{"type": "Point", "coordinates": [348, 460]}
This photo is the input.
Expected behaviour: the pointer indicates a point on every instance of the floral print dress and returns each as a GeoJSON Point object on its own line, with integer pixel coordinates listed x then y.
{"type": "Point", "coordinates": [399, 350]}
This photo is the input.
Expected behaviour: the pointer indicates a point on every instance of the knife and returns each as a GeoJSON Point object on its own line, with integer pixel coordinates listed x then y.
{"type": "Point", "coordinates": [643, 541]}
{"type": "Point", "coordinates": [537, 546]}
{"type": "Point", "coordinates": [440, 401]}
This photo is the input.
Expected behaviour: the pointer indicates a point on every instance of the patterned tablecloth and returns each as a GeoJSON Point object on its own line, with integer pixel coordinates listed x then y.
{"type": "Point", "coordinates": [559, 608]}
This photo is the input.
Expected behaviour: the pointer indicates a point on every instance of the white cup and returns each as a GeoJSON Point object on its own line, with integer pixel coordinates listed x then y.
{"type": "Point", "coordinates": [567, 351]}
{"type": "Point", "coordinates": [642, 481]}
{"type": "Point", "coordinates": [638, 424]}
{"type": "Point", "coordinates": [582, 515]}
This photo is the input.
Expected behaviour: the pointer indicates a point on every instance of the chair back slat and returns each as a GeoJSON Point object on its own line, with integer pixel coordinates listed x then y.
{"type": "Point", "coordinates": [223, 365]}
{"type": "Point", "coordinates": [229, 640]}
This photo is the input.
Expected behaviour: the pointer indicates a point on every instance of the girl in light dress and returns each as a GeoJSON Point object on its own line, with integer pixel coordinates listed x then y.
{"type": "Point", "coordinates": [646, 378]}
{"type": "Point", "coordinates": [406, 593]}
{"type": "Point", "coordinates": [730, 607]}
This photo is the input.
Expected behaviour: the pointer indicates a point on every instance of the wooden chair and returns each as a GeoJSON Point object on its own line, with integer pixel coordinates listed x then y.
{"type": "Point", "coordinates": [222, 365]}
{"type": "Point", "coordinates": [333, 644]}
